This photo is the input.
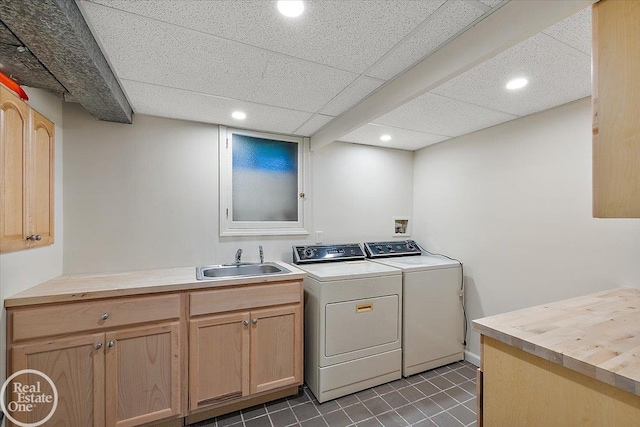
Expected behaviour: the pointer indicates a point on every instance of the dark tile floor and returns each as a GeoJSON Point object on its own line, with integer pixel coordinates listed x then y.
{"type": "Point", "coordinates": [443, 397]}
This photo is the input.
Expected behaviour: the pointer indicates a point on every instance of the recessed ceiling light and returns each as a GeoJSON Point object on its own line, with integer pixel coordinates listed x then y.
{"type": "Point", "coordinates": [385, 138]}
{"type": "Point", "coordinates": [238, 115]}
{"type": "Point", "coordinates": [518, 83]}
{"type": "Point", "coordinates": [291, 8]}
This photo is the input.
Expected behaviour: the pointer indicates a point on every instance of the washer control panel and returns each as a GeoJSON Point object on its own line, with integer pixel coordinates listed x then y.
{"type": "Point", "coordinates": [324, 253]}
{"type": "Point", "coordinates": [395, 248]}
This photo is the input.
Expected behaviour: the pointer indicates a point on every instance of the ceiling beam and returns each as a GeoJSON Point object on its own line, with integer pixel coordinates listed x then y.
{"type": "Point", "coordinates": [58, 36]}
{"type": "Point", "coordinates": [509, 25]}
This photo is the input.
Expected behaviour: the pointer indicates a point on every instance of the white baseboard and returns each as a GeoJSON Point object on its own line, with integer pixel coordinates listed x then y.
{"type": "Point", "coordinates": [472, 358]}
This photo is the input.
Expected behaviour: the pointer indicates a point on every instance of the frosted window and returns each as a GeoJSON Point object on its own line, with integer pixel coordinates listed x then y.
{"type": "Point", "coordinates": [264, 179]}
{"type": "Point", "coordinates": [262, 183]}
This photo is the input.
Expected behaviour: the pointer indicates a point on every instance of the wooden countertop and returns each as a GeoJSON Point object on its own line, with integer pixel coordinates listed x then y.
{"type": "Point", "coordinates": [79, 287]}
{"type": "Point", "coordinates": [597, 335]}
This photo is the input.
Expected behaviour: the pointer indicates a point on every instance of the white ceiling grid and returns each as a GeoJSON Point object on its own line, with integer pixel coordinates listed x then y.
{"type": "Point", "coordinates": [201, 60]}
{"type": "Point", "coordinates": [557, 74]}
{"type": "Point", "coordinates": [182, 104]}
{"type": "Point", "coordinates": [557, 63]}
{"type": "Point", "coordinates": [431, 34]}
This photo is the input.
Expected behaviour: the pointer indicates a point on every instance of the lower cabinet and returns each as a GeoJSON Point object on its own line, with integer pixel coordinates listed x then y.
{"type": "Point", "coordinates": [136, 361]}
{"type": "Point", "coordinates": [142, 375]}
{"type": "Point", "coordinates": [245, 344]}
{"type": "Point", "coordinates": [245, 353]}
{"type": "Point", "coordinates": [520, 389]}
{"type": "Point", "coordinates": [218, 359]}
{"type": "Point", "coordinates": [76, 367]}
{"type": "Point", "coordinates": [276, 348]}
{"type": "Point", "coordinates": [123, 378]}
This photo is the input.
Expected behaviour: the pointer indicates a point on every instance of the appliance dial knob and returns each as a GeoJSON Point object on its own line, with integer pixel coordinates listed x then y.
{"type": "Point", "coordinates": [379, 248]}
{"type": "Point", "coordinates": [308, 253]}
{"type": "Point", "coordinates": [411, 246]}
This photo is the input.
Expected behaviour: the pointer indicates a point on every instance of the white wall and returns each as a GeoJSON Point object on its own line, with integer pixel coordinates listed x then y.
{"type": "Point", "coordinates": [513, 203]}
{"type": "Point", "coordinates": [146, 195]}
{"type": "Point", "coordinates": [23, 269]}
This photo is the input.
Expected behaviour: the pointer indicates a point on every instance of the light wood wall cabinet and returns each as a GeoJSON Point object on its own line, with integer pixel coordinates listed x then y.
{"type": "Point", "coordinates": [26, 178]}
{"type": "Point", "coordinates": [616, 90]}
{"type": "Point", "coordinates": [244, 342]}
{"type": "Point", "coordinates": [110, 371]}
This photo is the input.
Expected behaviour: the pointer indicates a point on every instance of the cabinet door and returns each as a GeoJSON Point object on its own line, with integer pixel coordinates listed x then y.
{"type": "Point", "coordinates": [142, 374]}
{"type": "Point", "coordinates": [40, 179]}
{"type": "Point", "coordinates": [14, 133]}
{"type": "Point", "coordinates": [219, 359]}
{"type": "Point", "coordinates": [76, 367]}
{"type": "Point", "coordinates": [276, 348]}
{"type": "Point", "coordinates": [616, 128]}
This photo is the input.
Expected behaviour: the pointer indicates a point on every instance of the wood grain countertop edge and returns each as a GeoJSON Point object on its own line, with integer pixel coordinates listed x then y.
{"type": "Point", "coordinates": [575, 364]}
{"type": "Point", "coordinates": [69, 288]}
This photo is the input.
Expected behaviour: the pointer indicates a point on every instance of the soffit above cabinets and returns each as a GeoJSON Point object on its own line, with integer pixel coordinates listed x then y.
{"type": "Point", "coordinates": [201, 60]}
{"type": "Point", "coordinates": [47, 44]}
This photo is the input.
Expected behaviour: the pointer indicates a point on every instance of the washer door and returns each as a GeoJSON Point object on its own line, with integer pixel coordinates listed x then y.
{"type": "Point", "coordinates": [359, 324]}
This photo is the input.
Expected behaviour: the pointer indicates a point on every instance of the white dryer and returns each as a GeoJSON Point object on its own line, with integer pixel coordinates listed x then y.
{"type": "Point", "coordinates": [433, 320]}
{"type": "Point", "coordinates": [353, 320]}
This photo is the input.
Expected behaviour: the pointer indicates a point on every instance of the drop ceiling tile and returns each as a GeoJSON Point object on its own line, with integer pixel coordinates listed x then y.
{"type": "Point", "coordinates": [352, 95]}
{"type": "Point", "coordinates": [141, 49]}
{"type": "Point", "coordinates": [574, 31]}
{"type": "Point", "coordinates": [350, 35]}
{"type": "Point", "coordinates": [491, 3]}
{"type": "Point", "coordinates": [442, 116]}
{"type": "Point", "coordinates": [403, 139]}
{"type": "Point", "coordinates": [437, 29]}
{"type": "Point", "coordinates": [313, 124]}
{"type": "Point", "coordinates": [185, 105]}
{"type": "Point", "coordinates": [557, 74]}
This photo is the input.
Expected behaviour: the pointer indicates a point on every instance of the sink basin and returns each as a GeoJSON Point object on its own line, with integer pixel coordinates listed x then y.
{"type": "Point", "coordinates": [207, 272]}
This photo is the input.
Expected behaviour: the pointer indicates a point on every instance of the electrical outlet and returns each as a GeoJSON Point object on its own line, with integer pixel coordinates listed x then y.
{"type": "Point", "coordinates": [319, 237]}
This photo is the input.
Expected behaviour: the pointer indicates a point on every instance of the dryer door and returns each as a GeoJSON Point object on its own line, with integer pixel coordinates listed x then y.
{"type": "Point", "coordinates": [361, 324]}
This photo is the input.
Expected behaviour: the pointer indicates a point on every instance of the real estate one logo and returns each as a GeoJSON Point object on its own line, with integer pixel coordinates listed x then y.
{"type": "Point", "coordinates": [29, 396]}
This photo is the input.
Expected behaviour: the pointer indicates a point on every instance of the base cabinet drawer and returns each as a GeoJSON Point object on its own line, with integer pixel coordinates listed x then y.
{"type": "Point", "coordinates": [244, 298]}
{"type": "Point", "coordinates": [59, 319]}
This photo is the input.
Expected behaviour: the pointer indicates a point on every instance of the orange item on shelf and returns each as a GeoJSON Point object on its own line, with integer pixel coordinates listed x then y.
{"type": "Point", "coordinates": [12, 85]}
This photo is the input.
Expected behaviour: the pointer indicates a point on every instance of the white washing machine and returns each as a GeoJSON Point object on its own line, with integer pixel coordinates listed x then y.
{"type": "Point", "coordinates": [433, 320]}
{"type": "Point", "coordinates": [353, 320]}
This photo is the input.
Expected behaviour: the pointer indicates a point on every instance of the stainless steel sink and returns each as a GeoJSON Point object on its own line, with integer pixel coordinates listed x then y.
{"type": "Point", "coordinates": [207, 272]}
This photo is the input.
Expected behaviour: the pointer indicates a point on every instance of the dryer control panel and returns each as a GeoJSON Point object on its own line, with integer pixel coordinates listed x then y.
{"type": "Point", "coordinates": [394, 248]}
{"type": "Point", "coordinates": [324, 253]}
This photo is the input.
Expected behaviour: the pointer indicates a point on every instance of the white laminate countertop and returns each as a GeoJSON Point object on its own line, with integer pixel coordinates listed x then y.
{"type": "Point", "coordinates": [80, 287]}
{"type": "Point", "coordinates": [597, 335]}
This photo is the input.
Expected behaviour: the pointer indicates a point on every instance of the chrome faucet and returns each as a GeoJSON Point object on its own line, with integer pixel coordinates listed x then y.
{"type": "Point", "coordinates": [238, 256]}
{"type": "Point", "coordinates": [261, 254]}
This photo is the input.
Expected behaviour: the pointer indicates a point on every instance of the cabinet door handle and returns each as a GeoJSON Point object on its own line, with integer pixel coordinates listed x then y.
{"type": "Point", "coordinates": [245, 322]}
{"type": "Point", "coordinates": [34, 237]}
{"type": "Point", "coordinates": [98, 346]}
{"type": "Point", "coordinates": [105, 316]}
{"type": "Point", "coordinates": [111, 344]}
{"type": "Point", "coordinates": [254, 321]}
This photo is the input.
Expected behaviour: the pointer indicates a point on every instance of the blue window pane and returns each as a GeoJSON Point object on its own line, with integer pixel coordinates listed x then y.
{"type": "Point", "coordinates": [264, 179]}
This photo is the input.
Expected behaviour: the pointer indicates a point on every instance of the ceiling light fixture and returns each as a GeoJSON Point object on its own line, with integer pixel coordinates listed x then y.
{"type": "Point", "coordinates": [291, 8]}
{"type": "Point", "coordinates": [518, 83]}
{"type": "Point", "coordinates": [385, 138]}
{"type": "Point", "coordinates": [238, 115]}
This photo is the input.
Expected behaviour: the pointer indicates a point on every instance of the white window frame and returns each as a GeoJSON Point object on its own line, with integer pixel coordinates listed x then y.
{"type": "Point", "coordinates": [228, 227]}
